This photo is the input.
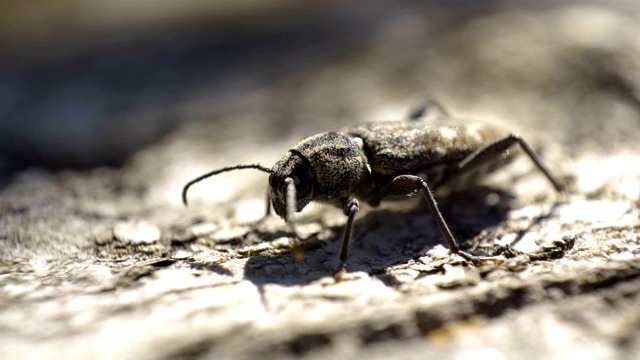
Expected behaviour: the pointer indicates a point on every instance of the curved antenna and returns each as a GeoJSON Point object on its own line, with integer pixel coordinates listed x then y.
{"type": "Point", "coordinates": [218, 171]}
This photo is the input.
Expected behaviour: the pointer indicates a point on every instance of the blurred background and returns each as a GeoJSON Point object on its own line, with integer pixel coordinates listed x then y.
{"type": "Point", "coordinates": [89, 83]}
{"type": "Point", "coordinates": [108, 107]}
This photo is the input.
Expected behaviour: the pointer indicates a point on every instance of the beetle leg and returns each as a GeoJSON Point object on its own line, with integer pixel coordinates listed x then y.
{"type": "Point", "coordinates": [422, 107]}
{"type": "Point", "coordinates": [407, 184]}
{"type": "Point", "coordinates": [498, 147]}
{"type": "Point", "coordinates": [350, 209]}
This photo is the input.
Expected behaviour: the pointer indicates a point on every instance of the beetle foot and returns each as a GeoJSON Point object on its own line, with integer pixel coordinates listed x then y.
{"type": "Point", "coordinates": [478, 260]}
{"type": "Point", "coordinates": [342, 269]}
{"type": "Point", "coordinates": [298, 253]}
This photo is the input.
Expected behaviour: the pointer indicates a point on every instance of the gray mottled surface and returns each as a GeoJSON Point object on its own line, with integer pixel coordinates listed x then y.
{"type": "Point", "coordinates": [106, 263]}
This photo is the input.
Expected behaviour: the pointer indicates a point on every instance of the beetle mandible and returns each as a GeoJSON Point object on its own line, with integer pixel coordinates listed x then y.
{"type": "Point", "coordinates": [376, 160]}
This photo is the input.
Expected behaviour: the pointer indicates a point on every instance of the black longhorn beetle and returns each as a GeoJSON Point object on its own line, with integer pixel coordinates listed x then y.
{"type": "Point", "coordinates": [376, 160]}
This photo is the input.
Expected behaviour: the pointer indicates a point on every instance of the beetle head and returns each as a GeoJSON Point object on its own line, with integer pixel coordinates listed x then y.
{"type": "Point", "coordinates": [324, 167]}
{"type": "Point", "coordinates": [303, 180]}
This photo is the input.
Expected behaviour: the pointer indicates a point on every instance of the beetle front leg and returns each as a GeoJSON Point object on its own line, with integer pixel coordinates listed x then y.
{"type": "Point", "coordinates": [407, 184]}
{"type": "Point", "coordinates": [350, 209]}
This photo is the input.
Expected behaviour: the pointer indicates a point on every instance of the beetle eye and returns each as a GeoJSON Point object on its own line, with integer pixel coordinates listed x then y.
{"type": "Point", "coordinates": [303, 185]}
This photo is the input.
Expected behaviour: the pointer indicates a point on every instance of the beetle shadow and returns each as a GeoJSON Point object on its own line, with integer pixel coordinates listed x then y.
{"type": "Point", "coordinates": [537, 221]}
{"type": "Point", "coordinates": [285, 269]}
{"type": "Point", "coordinates": [214, 268]}
{"type": "Point", "coordinates": [383, 237]}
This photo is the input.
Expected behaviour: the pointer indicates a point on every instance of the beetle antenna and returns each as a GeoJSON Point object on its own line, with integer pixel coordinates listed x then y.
{"type": "Point", "coordinates": [218, 171]}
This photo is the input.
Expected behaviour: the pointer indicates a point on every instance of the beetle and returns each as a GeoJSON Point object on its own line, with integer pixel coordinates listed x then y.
{"type": "Point", "coordinates": [377, 160]}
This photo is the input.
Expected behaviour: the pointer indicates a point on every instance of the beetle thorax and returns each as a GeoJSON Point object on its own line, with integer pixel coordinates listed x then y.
{"type": "Point", "coordinates": [338, 162]}
{"type": "Point", "coordinates": [325, 168]}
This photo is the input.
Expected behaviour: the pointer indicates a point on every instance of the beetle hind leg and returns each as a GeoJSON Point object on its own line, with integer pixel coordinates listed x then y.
{"type": "Point", "coordinates": [498, 147]}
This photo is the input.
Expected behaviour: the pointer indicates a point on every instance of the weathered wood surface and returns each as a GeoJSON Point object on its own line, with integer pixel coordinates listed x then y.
{"type": "Point", "coordinates": [108, 264]}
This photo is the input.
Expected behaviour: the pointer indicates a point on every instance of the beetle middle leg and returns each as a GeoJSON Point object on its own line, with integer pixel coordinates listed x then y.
{"type": "Point", "coordinates": [407, 184]}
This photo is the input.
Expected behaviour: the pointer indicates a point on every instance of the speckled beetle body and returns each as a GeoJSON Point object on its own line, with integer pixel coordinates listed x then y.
{"type": "Point", "coordinates": [430, 149]}
{"type": "Point", "coordinates": [376, 160]}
